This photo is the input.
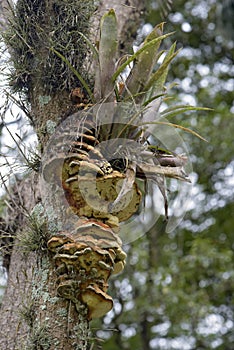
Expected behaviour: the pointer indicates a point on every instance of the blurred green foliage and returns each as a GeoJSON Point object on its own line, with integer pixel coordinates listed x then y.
{"type": "Point", "coordinates": [177, 289]}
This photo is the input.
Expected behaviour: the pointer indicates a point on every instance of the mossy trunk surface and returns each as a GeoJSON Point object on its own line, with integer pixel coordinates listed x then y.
{"type": "Point", "coordinates": [32, 316]}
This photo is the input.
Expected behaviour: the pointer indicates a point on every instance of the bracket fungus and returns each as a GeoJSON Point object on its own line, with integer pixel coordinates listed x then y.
{"type": "Point", "coordinates": [97, 154]}
{"type": "Point", "coordinates": [84, 260]}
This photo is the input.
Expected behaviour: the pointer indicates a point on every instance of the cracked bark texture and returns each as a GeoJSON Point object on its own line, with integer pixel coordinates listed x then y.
{"type": "Point", "coordinates": [32, 316]}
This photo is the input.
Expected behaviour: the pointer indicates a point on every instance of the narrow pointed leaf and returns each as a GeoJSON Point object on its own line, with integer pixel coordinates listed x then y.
{"type": "Point", "coordinates": [75, 72]}
{"type": "Point", "coordinates": [90, 44]}
{"type": "Point", "coordinates": [158, 79]}
{"type": "Point", "coordinates": [175, 110]}
{"type": "Point", "coordinates": [136, 54]}
{"type": "Point", "coordinates": [152, 99]}
{"type": "Point", "coordinates": [145, 62]}
{"type": "Point", "coordinates": [107, 52]}
{"type": "Point", "coordinates": [177, 127]}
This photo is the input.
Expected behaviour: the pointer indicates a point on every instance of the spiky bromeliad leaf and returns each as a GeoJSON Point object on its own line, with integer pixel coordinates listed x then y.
{"type": "Point", "coordinates": [155, 87]}
{"type": "Point", "coordinates": [175, 110]}
{"type": "Point", "coordinates": [145, 62]}
{"type": "Point", "coordinates": [146, 46]}
{"type": "Point", "coordinates": [107, 53]}
{"type": "Point", "coordinates": [176, 126]}
{"type": "Point", "coordinates": [156, 82]}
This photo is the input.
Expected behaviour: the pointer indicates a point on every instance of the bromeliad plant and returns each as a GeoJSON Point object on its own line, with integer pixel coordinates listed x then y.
{"type": "Point", "coordinates": [98, 153]}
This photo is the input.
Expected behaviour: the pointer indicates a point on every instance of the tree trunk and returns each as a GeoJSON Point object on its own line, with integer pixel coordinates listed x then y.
{"type": "Point", "coordinates": [32, 315]}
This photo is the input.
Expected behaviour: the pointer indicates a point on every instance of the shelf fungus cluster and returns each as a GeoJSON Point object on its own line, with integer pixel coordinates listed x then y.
{"type": "Point", "coordinates": [88, 254]}
{"type": "Point", "coordinates": [84, 260]}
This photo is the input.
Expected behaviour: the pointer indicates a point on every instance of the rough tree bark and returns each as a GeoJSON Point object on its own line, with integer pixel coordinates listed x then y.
{"type": "Point", "coordinates": [32, 315]}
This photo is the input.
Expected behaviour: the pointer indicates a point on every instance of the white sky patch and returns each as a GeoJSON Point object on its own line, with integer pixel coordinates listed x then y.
{"type": "Point", "coordinates": [3, 280]}
{"type": "Point", "coordinates": [201, 10]}
{"type": "Point", "coordinates": [146, 29]}
{"type": "Point", "coordinates": [186, 27]}
{"type": "Point", "coordinates": [203, 69]}
{"type": "Point", "coordinates": [189, 53]}
{"type": "Point", "coordinates": [186, 84]}
{"type": "Point", "coordinates": [127, 332]}
{"type": "Point", "coordinates": [188, 99]}
{"type": "Point", "coordinates": [214, 324]}
{"type": "Point", "coordinates": [179, 343]}
{"type": "Point", "coordinates": [10, 154]}
{"type": "Point", "coordinates": [162, 328]}
{"type": "Point", "coordinates": [176, 17]}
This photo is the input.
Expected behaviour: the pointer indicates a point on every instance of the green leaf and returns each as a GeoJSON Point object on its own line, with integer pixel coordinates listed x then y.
{"type": "Point", "coordinates": [90, 44]}
{"type": "Point", "coordinates": [145, 62]}
{"type": "Point", "coordinates": [75, 72]}
{"type": "Point", "coordinates": [152, 99]}
{"type": "Point", "coordinates": [158, 79]}
{"type": "Point", "coordinates": [175, 110]}
{"type": "Point", "coordinates": [107, 52]}
{"type": "Point", "coordinates": [177, 127]}
{"type": "Point", "coordinates": [147, 46]}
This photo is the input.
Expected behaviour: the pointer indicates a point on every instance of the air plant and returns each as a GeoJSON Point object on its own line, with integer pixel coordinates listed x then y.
{"type": "Point", "coordinates": [137, 109]}
{"type": "Point", "coordinates": [98, 153]}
